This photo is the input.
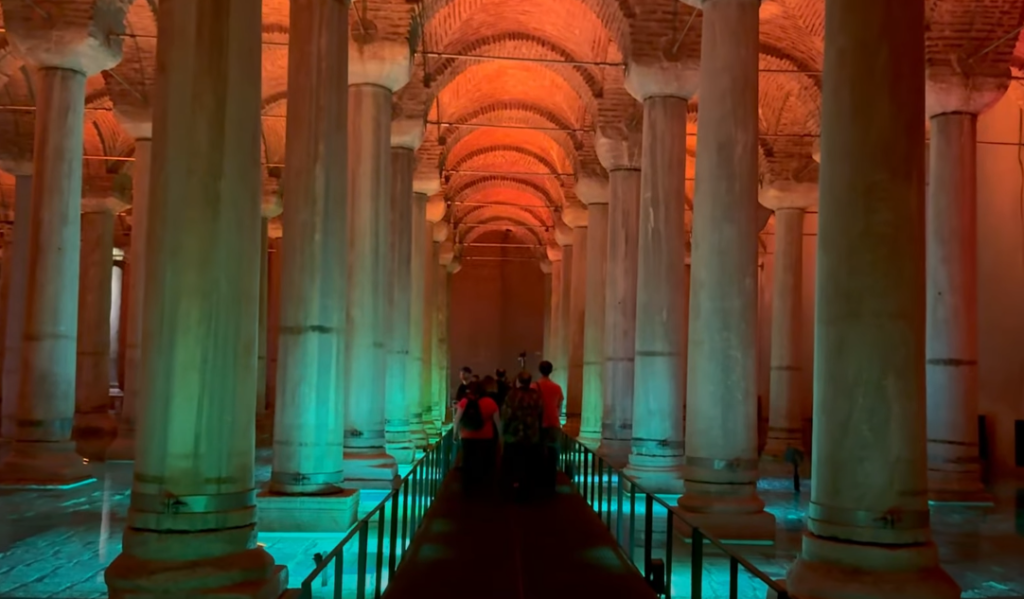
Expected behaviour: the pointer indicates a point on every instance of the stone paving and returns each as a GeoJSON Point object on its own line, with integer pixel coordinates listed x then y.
{"type": "Point", "coordinates": [56, 544]}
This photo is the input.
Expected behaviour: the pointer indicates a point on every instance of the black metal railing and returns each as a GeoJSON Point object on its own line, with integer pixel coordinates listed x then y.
{"type": "Point", "coordinates": [396, 519]}
{"type": "Point", "coordinates": [598, 481]}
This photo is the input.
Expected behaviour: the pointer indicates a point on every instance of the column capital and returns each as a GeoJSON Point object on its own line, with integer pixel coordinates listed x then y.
{"type": "Point", "coordinates": [427, 185]}
{"type": "Point", "coordinates": [15, 165]}
{"type": "Point", "coordinates": [106, 203]}
{"type": "Point", "coordinates": [379, 62]}
{"type": "Point", "coordinates": [110, 193]}
{"type": "Point", "coordinates": [407, 133]}
{"type": "Point", "coordinates": [816, 150]}
{"type": "Point", "coordinates": [436, 209]}
{"type": "Point", "coordinates": [663, 78]}
{"type": "Point", "coordinates": [788, 195]}
{"type": "Point", "coordinates": [575, 215]}
{"type": "Point", "coordinates": [619, 146]}
{"type": "Point", "coordinates": [446, 252]}
{"type": "Point", "coordinates": [274, 229]}
{"type": "Point", "coordinates": [948, 91]}
{"type": "Point", "coordinates": [78, 36]}
{"type": "Point", "coordinates": [591, 189]}
{"type": "Point", "coordinates": [440, 231]}
{"type": "Point", "coordinates": [554, 252]}
{"type": "Point", "coordinates": [545, 265]}
{"type": "Point", "coordinates": [137, 122]}
{"type": "Point", "coordinates": [455, 265]}
{"type": "Point", "coordinates": [563, 233]}
{"type": "Point", "coordinates": [271, 205]}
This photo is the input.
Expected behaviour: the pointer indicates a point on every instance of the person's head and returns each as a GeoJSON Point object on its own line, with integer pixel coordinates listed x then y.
{"type": "Point", "coordinates": [475, 378]}
{"type": "Point", "coordinates": [489, 385]}
{"type": "Point", "coordinates": [545, 368]}
{"type": "Point", "coordinates": [523, 380]}
{"type": "Point", "coordinates": [500, 374]}
{"type": "Point", "coordinates": [465, 374]}
{"type": "Point", "coordinates": [474, 390]}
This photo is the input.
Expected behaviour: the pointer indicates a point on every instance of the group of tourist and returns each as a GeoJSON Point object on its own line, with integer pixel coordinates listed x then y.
{"type": "Point", "coordinates": [512, 429]}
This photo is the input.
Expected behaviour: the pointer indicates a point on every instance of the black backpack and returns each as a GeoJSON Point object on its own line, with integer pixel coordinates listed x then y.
{"type": "Point", "coordinates": [472, 417]}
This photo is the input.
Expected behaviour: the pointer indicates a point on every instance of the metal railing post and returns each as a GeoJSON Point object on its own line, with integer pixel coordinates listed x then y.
{"type": "Point", "coordinates": [378, 583]}
{"type": "Point", "coordinates": [648, 530]}
{"type": "Point", "coordinates": [696, 564]}
{"type": "Point", "coordinates": [339, 572]}
{"type": "Point", "coordinates": [364, 533]}
{"type": "Point", "coordinates": [393, 535]}
{"type": "Point", "coordinates": [669, 538]}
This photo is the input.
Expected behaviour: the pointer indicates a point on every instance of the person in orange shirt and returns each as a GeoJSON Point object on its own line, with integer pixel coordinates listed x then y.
{"type": "Point", "coordinates": [477, 423]}
{"type": "Point", "coordinates": [552, 397]}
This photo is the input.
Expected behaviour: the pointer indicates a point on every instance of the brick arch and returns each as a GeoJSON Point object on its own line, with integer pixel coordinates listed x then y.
{"type": "Point", "coordinates": [505, 149]}
{"type": "Point", "coordinates": [443, 16]}
{"type": "Point", "coordinates": [519, 113]}
{"type": "Point", "coordinates": [554, 153]}
{"type": "Point", "coordinates": [464, 188]}
{"type": "Point", "coordinates": [520, 235]}
{"type": "Point", "coordinates": [511, 42]}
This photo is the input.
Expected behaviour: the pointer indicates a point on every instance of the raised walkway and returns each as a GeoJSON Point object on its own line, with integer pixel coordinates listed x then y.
{"type": "Point", "coordinates": [494, 549]}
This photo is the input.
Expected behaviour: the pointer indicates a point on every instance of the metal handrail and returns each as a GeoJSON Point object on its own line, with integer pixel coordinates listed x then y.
{"type": "Point", "coordinates": [420, 487]}
{"type": "Point", "coordinates": [576, 457]}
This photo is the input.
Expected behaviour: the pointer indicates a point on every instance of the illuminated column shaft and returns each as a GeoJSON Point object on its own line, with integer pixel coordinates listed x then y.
{"type": "Point", "coordinates": [406, 136]}
{"type": "Point", "coordinates": [442, 392]}
{"type": "Point", "coordinates": [309, 417]}
{"type": "Point", "coordinates": [196, 421]}
{"type": "Point", "coordinates": [429, 390]}
{"type": "Point", "coordinates": [576, 324]}
{"type": "Point", "coordinates": [594, 192]}
{"type": "Point", "coordinates": [789, 201]}
{"type": "Point", "coordinates": [545, 268]}
{"type": "Point", "coordinates": [375, 72]}
{"type": "Point", "coordinates": [123, 447]}
{"type": "Point", "coordinates": [419, 379]}
{"type": "Point", "coordinates": [44, 400]}
{"type": "Point", "coordinates": [951, 367]}
{"type": "Point", "coordinates": [16, 297]}
{"type": "Point", "coordinates": [564, 238]}
{"type": "Point", "coordinates": [93, 424]}
{"type": "Point", "coordinates": [554, 253]}
{"type": "Point", "coordinates": [662, 303]}
{"type": "Point", "coordinates": [868, 521]}
{"type": "Point", "coordinates": [7, 265]}
{"type": "Point", "coordinates": [619, 149]}
{"type": "Point", "coordinates": [261, 334]}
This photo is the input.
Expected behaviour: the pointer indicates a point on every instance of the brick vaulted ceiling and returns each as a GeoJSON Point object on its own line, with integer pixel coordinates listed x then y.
{"type": "Point", "coordinates": [509, 137]}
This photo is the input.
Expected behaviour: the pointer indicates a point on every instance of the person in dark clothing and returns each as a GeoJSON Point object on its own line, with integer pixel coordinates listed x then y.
{"type": "Point", "coordinates": [521, 418]}
{"type": "Point", "coordinates": [503, 387]}
{"type": "Point", "coordinates": [478, 424]}
{"type": "Point", "coordinates": [465, 377]}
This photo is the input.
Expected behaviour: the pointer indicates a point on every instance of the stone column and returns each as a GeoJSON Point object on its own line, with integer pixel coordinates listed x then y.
{"type": "Point", "coordinates": [14, 311]}
{"type": "Point", "coordinates": [951, 354]}
{"type": "Point", "coordinates": [191, 527]}
{"type": "Point", "coordinates": [618, 149]}
{"type": "Point", "coordinates": [420, 250]}
{"type": "Point", "coordinates": [436, 228]}
{"type": "Point", "coordinates": [545, 267]}
{"type": "Point", "coordinates": [63, 49]}
{"type": "Point", "coordinates": [442, 392]}
{"type": "Point", "coordinates": [551, 352]}
{"type": "Point", "coordinates": [721, 411]}
{"type": "Point", "coordinates": [94, 427]}
{"type": "Point", "coordinates": [564, 238]}
{"type": "Point", "coordinates": [123, 447]}
{"type": "Point", "coordinates": [789, 201]}
{"type": "Point", "coordinates": [868, 532]}
{"type": "Point", "coordinates": [274, 232]}
{"type": "Point", "coordinates": [6, 266]}
{"type": "Point", "coordinates": [376, 70]}
{"type": "Point", "coordinates": [662, 304]}
{"type": "Point", "coordinates": [593, 192]}
{"type": "Point", "coordinates": [406, 136]}
{"type": "Point", "coordinates": [305, 492]}
{"type": "Point", "coordinates": [269, 206]}
{"type": "Point", "coordinates": [117, 301]}
{"type": "Point", "coordinates": [575, 216]}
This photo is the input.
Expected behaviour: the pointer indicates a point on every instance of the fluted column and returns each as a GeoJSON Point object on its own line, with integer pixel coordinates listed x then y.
{"type": "Point", "coordinates": [593, 191]}
{"type": "Point", "coordinates": [191, 528]}
{"type": "Point", "coordinates": [123, 446]}
{"type": "Point", "coordinates": [270, 208]}
{"type": "Point", "coordinates": [14, 311]}
{"type": "Point", "coordinates": [63, 50]}
{"type": "Point", "coordinates": [953, 103]}
{"type": "Point", "coordinates": [406, 137]}
{"type": "Point", "coordinates": [436, 229]}
{"type": "Point", "coordinates": [376, 70]}
{"type": "Point", "coordinates": [868, 532]}
{"type": "Point", "coordinates": [442, 268]}
{"type": "Point", "coordinates": [618, 149]}
{"type": "Point", "coordinates": [94, 427]}
{"type": "Point", "coordinates": [662, 304]}
{"type": "Point", "coordinates": [789, 201]}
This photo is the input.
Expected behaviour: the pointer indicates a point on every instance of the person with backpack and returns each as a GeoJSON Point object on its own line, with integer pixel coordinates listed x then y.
{"type": "Point", "coordinates": [477, 423]}
{"type": "Point", "coordinates": [522, 416]}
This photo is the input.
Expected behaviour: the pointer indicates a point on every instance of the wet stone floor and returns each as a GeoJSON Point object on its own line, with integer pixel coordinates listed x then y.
{"type": "Point", "coordinates": [56, 543]}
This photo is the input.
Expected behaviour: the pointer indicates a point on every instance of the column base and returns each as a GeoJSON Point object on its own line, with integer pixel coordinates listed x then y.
{"type": "Point", "coordinates": [419, 435]}
{"type": "Point", "coordinates": [336, 512]}
{"type": "Point", "coordinates": [615, 452]}
{"type": "Point", "coordinates": [122, 449]}
{"type": "Point", "coordinates": [93, 433]}
{"type": "Point", "coordinates": [404, 452]}
{"type": "Point", "coordinates": [39, 465]}
{"type": "Point", "coordinates": [957, 487]}
{"type": "Point", "coordinates": [779, 440]}
{"type": "Point", "coordinates": [661, 475]}
{"type": "Point", "coordinates": [828, 569]}
{"type": "Point", "coordinates": [370, 470]}
{"type": "Point", "coordinates": [249, 574]}
{"type": "Point", "coordinates": [756, 528]}
{"type": "Point", "coordinates": [590, 439]}
{"type": "Point", "coordinates": [979, 497]}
